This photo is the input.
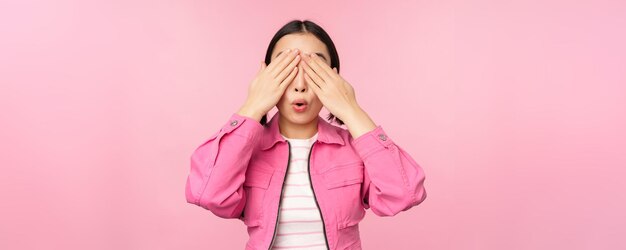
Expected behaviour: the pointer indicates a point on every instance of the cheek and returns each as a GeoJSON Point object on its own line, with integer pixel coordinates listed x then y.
{"type": "Point", "coordinates": [316, 102]}
{"type": "Point", "coordinates": [282, 101]}
{"type": "Point", "coordinates": [316, 99]}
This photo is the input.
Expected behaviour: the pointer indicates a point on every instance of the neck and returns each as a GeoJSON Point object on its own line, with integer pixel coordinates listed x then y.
{"type": "Point", "coordinates": [297, 131]}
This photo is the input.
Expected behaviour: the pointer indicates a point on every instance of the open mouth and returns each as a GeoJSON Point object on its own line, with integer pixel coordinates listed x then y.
{"type": "Point", "coordinates": [299, 105]}
{"type": "Point", "coordinates": [299, 102]}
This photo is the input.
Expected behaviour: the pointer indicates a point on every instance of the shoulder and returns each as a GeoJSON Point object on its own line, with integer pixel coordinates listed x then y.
{"type": "Point", "coordinates": [344, 134]}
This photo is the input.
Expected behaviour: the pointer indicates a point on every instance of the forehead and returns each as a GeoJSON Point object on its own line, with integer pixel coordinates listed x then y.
{"type": "Point", "coordinates": [305, 42]}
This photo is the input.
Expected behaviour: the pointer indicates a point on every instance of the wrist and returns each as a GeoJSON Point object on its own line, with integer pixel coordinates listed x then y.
{"type": "Point", "coordinates": [359, 123]}
{"type": "Point", "coordinates": [353, 114]}
{"type": "Point", "coordinates": [250, 112]}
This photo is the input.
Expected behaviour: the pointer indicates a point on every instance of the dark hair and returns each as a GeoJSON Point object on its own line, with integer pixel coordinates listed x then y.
{"type": "Point", "coordinates": [306, 26]}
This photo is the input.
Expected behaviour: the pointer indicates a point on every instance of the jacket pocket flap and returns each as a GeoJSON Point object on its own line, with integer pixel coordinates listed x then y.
{"type": "Point", "coordinates": [252, 222]}
{"type": "Point", "coordinates": [348, 223]}
{"type": "Point", "coordinates": [258, 177]}
{"type": "Point", "coordinates": [343, 175]}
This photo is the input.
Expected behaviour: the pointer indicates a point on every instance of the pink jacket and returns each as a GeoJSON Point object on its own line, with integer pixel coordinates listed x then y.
{"type": "Point", "coordinates": [239, 173]}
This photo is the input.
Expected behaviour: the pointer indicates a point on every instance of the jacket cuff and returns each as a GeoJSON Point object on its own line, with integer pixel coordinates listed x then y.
{"type": "Point", "coordinates": [372, 141]}
{"type": "Point", "coordinates": [243, 126]}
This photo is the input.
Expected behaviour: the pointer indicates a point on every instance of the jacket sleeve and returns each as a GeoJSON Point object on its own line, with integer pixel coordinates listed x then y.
{"type": "Point", "coordinates": [393, 181]}
{"type": "Point", "coordinates": [218, 167]}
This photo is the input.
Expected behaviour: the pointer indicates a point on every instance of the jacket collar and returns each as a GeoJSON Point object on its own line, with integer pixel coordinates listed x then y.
{"type": "Point", "coordinates": [326, 133]}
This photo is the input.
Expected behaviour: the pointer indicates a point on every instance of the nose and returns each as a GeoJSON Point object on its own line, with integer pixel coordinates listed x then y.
{"type": "Point", "coordinates": [298, 83]}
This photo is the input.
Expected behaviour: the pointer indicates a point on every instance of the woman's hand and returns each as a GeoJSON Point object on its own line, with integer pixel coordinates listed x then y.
{"type": "Point", "coordinates": [270, 84]}
{"type": "Point", "coordinates": [336, 94]}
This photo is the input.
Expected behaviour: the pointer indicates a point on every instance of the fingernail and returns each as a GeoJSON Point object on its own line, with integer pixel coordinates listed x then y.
{"type": "Point", "coordinates": [288, 50]}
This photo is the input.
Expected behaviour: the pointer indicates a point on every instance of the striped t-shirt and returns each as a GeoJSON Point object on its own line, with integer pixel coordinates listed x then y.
{"type": "Point", "coordinates": [299, 220]}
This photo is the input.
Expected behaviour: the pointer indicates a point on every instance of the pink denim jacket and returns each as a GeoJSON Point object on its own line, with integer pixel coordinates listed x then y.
{"type": "Point", "coordinates": [239, 173]}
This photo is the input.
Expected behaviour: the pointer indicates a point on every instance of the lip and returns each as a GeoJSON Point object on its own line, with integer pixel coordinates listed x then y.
{"type": "Point", "coordinates": [300, 108]}
{"type": "Point", "coordinates": [299, 100]}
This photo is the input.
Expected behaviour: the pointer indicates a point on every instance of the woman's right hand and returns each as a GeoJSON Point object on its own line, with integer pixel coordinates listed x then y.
{"type": "Point", "coordinates": [269, 84]}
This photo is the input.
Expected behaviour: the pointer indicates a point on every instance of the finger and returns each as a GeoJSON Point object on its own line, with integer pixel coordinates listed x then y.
{"type": "Point", "coordinates": [335, 69]}
{"type": "Point", "coordinates": [322, 69]}
{"type": "Point", "coordinates": [288, 69]}
{"type": "Point", "coordinates": [262, 64]}
{"type": "Point", "coordinates": [283, 85]}
{"type": "Point", "coordinates": [277, 60]}
{"type": "Point", "coordinates": [319, 72]}
{"type": "Point", "coordinates": [312, 81]}
{"type": "Point", "coordinates": [284, 62]}
{"type": "Point", "coordinates": [313, 75]}
{"type": "Point", "coordinates": [308, 59]}
{"type": "Point", "coordinates": [316, 88]}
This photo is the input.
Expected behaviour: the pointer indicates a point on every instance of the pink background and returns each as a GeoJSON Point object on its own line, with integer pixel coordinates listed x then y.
{"type": "Point", "coordinates": [515, 110]}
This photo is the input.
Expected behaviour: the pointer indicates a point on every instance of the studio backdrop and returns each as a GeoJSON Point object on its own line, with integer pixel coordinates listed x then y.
{"type": "Point", "coordinates": [514, 109]}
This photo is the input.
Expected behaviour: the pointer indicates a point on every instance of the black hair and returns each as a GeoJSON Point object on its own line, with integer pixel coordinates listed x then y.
{"type": "Point", "coordinates": [306, 26]}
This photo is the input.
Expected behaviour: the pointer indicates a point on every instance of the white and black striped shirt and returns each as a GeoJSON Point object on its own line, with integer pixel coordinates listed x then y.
{"type": "Point", "coordinates": [299, 224]}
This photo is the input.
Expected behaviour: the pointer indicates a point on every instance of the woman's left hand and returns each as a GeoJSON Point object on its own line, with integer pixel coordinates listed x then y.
{"type": "Point", "coordinates": [335, 93]}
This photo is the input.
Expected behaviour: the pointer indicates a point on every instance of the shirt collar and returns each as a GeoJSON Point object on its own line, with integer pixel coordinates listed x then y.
{"type": "Point", "coordinates": [326, 133]}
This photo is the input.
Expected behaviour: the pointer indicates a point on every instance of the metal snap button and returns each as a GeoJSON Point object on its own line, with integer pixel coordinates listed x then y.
{"type": "Point", "coordinates": [233, 123]}
{"type": "Point", "coordinates": [382, 137]}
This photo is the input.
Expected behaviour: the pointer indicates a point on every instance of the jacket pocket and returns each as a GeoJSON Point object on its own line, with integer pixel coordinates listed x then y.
{"type": "Point", "coordinates": [344, 182]}
{"type": "Point", "coordinates": [343, 175]}
{"type": "Point", "coordinates": [258, 178]}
